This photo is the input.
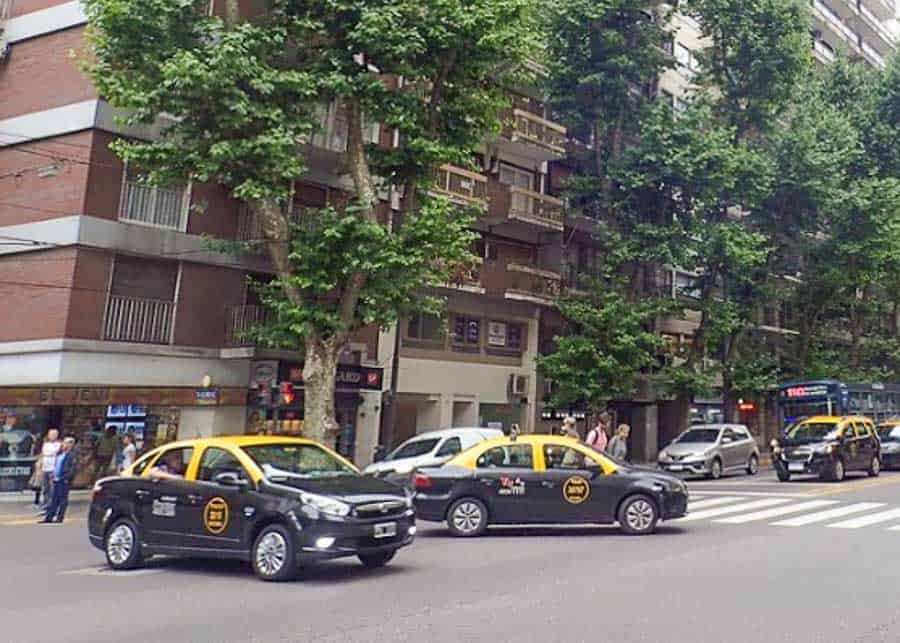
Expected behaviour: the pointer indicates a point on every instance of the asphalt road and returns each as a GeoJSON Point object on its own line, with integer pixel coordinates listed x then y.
{"type": "Point", "coordinates": [757, 561]}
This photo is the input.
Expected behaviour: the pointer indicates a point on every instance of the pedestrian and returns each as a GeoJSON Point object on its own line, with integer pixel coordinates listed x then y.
{"type": "Point", "coordinates": [36, 481]}
{"type": "Point", "coordinates": [63, 473]}
{"type": "Point", "coordinates": [569, 429]}
{"type": "Point", "coordinates": [106, 452]}
{"type": "Point", "coordinates": [597, 438]}
{"type": "Point", "coordinates": [9, 423]}
{"type": "Point", "coordinates": [618, 446]}
{"type": "Point", "coordinates": [49, 450]}
{"type": "Point", "coordinates": [129, 452]}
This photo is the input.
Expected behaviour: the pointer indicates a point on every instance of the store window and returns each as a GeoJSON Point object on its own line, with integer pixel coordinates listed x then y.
{"type": "Point", "coordinates": [505, 336]}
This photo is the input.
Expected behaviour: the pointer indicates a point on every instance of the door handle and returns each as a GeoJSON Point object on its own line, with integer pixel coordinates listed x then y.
{"type": "Point", "coordinates": [548, 483]}
{"type": "Point", "coordinates": [140, 493]}
{"type": "Point", "coordinates": [194, 498]}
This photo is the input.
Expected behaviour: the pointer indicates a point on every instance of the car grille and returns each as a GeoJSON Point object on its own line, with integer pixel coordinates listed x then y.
{"type": "Point", "coordinates": [678, 458]}
{"type": "Point", "coordinates": [380, 509]}
{"type": "Point", "coordinates": [798, 456]}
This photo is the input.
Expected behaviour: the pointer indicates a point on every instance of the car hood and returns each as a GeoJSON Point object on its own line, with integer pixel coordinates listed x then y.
{"type": "Point", "coordinates": [403, 464]}
{"type": "Point", "coordinates": [353, 489]}
{"type": "Point", "coordinates": [649, 473]}
{"type": "Point", "coordinates": [688, 448]}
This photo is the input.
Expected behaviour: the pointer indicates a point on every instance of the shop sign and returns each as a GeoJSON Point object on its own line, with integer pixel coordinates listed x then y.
{"type": "Point", "coordinates": [553, 414]}
{"type": "Point", "coordinates": [350, 376]}
{"type": "Point", "coordinates": [207, 396]}
{"type": "Point", "coordinates": [497, 334]}
{"type": "Point", "coordinates": [263, 374]}
{"type": "Point", "coordinates": [16, 468]}
{"type": "Point", "coordinates": [793, 392]}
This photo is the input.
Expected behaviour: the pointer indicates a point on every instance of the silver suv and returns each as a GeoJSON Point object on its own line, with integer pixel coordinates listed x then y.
{"type": "Point", "coordinates": [711, 450]}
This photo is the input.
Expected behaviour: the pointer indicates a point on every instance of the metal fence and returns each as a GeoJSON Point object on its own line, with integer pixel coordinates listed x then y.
{"type": "Point", "coordinates": [137, 319]}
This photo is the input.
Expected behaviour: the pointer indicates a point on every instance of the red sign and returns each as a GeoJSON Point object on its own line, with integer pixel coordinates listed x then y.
{"type": "Point", "coordinates": [746, 406]}
{"type": "Point", "coordinates": [806, 391]}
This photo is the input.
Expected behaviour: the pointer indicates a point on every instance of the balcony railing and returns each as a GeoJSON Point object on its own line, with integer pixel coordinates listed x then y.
{"type": "Point", "coordinates": [535, 129]}
{"type": "Point", "coordinates": [155, 206]}
{"type": "Point", "coordinates": [249, 225]}
{"type": "Point", "coordinates": [537, 208]}
{"type": "Point", "coordinates": [461, 185]}
{"type": "Point", "coordinates": [241, 321]}
{"type": "Point", "coordinates": [532, 284]}
{"type": "Point", "coordinates": [137, 319]}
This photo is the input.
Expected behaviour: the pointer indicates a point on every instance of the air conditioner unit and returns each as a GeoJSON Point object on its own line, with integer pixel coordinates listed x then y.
{"type": "Point", "coordinates": [518, 384]}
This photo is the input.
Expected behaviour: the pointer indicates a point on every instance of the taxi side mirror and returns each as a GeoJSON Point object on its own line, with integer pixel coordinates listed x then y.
{"type": "Point", "coordinates": [595, 470]}
{"type": "Point", "coordinates": [230, 479]}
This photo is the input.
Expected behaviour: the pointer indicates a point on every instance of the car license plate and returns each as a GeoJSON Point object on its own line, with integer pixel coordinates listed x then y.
{"type": "Point", "coordinates": [796, 466]}
{"type": "Point", "coordinates": [385, 529]}
{"type": "Point", "coordinates": [676, 467]}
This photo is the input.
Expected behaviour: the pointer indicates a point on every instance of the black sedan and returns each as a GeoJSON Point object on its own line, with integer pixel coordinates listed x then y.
{"type": "Point", "coordinates": [275, 502]}
{"type": "Point", "coordinates": [542, 479]}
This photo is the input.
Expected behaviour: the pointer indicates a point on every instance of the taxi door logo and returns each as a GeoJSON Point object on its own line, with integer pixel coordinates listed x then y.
{"type": "Point", "coordinates": [576, 490]}
{"type": "Point", "coordinates": [215, 516]}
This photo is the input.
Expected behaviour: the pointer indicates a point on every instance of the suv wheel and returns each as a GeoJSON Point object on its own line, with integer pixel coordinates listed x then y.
{"type": "Point", "coordinates": [715, 469]}
{"type": "Point", "coordinates": [272, 555]}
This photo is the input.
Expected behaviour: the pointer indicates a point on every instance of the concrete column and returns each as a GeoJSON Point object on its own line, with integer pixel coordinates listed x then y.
{"type": "Point", "coordinates": [645, 441]}
{"type": "Point", "coordinates": [207, 421]}
{"type": "Point", "coordinates": [429, 416]}
{"type": "Point", "coordinates": [528, 361]}
{"type": "Point", "coordinates": [368, 422]}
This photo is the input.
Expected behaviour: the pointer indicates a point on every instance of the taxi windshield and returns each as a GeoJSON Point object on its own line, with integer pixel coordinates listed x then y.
{"type": "Point", "coordinates": [413, 448]}
{"type": "Point", "coordinates": [698, 435]}
{"type": "Point", "coordinates": [297, 461]}
{"type": "Point", "coordinates": [814, 431]}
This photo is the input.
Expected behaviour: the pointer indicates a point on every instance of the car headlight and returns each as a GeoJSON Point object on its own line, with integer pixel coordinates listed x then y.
{"type": "Point", "coordinates": [774, 444]}
{"type": "Point", "coordinates": [325, 504]}
{"type": "Point", "coordinates": [830, 448]}
{"type": "Point", "coordinates": [776, 450]}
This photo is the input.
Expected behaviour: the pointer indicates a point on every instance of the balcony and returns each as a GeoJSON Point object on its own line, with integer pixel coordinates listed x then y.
{"type": "Point", "coordinates": [160, 207]}
{"type": "Point", "coordinates": [533, 207]}
{"type": "Point", "coordinates": [532, 136]}
{"type": "Point", "coordinates": [461, 186]}
{"type": "Point", "coordinates": [249, 225]}
{"type": "Point", "coordinates": [527, 283]}
{"type": "Point", "coordinates": [241, 321]}
{"type": "Point", "coordinates": [138, 319]}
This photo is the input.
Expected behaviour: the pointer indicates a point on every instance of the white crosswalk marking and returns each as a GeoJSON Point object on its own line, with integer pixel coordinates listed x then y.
{"type": "Point", "coordinates": [713, 502]}
{"type": "Point", "coordinates": [777, 511]}
{"type": "Point", "coordinates": [822, 516]}
{"type": "Point", "coordinates": [865, 521]}
{"type": "Point", "coordinates": [733, 509]}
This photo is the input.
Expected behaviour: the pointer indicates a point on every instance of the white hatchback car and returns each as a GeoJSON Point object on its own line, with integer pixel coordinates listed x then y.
{"type": "Point", "coordinates": [429, 449]}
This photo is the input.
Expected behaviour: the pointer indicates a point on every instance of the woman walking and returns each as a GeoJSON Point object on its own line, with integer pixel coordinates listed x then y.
{"type": "Point", "coordinates": [618, 446]}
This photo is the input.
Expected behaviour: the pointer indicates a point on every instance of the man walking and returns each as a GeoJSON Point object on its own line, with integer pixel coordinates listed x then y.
{"type": "Point", "coordinates": [63, 474]}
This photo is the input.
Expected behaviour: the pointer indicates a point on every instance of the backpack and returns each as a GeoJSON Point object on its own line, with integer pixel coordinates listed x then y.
{"type": "Point", "coordinates": [596, 439]}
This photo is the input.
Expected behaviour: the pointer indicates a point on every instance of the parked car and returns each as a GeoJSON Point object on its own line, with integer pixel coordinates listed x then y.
{"type": "Point", "coordinates": [545, 479]}
{"type": "Point", "coordinates": [712, 450]}
{"type": "Point", "coordinates": [889, 434]}
{"type": "Point", "coordinates": [429, 449]}
{"type": "Point", "coordinates": [828, 446]}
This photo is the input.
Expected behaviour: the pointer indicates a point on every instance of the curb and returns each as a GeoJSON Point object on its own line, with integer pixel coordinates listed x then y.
{"type": "Point", "coordinates": [26, 497]}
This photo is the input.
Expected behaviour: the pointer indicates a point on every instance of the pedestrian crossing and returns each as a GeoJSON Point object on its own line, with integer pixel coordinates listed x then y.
{"type": "Point", "coordinates": [790, 511]}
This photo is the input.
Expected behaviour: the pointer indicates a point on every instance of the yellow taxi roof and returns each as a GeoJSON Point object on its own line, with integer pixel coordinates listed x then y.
{"type": "Point", "coordinates": [238, 441]}
{"type": "Point", "coordinates": [833, 419]}
{"type": "Point", "coordinates": [538, 439]}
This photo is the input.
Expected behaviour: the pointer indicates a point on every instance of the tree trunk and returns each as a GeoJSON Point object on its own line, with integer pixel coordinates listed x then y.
{"type": "Point", "coordinates": [319, 372]}
{"type": "Point", "coordinates": [729, 397]}
{"type": "Point", "coordinates": [682, 406]}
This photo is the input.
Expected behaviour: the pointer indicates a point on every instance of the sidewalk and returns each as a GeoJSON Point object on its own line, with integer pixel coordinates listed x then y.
{"type": "Point", "coordinates": [27, 497]}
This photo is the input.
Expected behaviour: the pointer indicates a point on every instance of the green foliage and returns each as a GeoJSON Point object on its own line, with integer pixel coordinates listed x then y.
{"type": "Point", "coordinates": [606, 346]}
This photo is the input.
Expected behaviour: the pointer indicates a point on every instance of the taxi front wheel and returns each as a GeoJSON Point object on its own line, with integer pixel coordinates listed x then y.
{"type": "Point", "coordinates": [467, 517]}
{"type": "Point", "coordinates": [638, 515]}
{"type": "Point", "coordinates": [122, 546]}
{"type": "Point", "coordinates": [273, 554]}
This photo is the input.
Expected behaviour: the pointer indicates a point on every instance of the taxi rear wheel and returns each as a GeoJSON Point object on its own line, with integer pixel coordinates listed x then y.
{"type": "Point", "coordinates": [467, 517]}
{"type": "Point", "coordinates": [373, 561]}
{"type": "Point", "coordinates": [273, 554]}
{"type": "Point", "coordinates": [122, 545]}
{"type": "Point", "coordinates": [638, 515]}
{"type": "Point", "coordinates": [874, 467]}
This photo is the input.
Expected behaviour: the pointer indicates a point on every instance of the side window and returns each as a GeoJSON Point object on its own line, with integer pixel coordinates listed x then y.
{"type": "Point", "coordinates": [728, 434]}
{"type": "Point", "coordinates": [216, 461]}
{"type": "Point", "coordinates": [451, 446]}
{"type": "Point", "coordinates": [864, 430]}
{"type": "Point", "coordinates": [509, 456]}
{"type": "Point", "coordinates": [560, 456]}
{"type": "Point", "coordinates": [849, 432]}
{"type": "Point", "coordinates": [141, 464]}
{"type": "Point", "coordinates": [741, 434]}
{"type": "Point", "coordinates": [175, 461]}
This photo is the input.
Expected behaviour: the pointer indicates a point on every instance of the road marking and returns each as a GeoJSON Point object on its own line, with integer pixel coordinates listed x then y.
{"type": "Point", "coordinates": [107, 571]}
{"type": "Point", "coordinates": [713, 502]}
{"type": "Point", "coordinates": [865, 521]}
{"type": "Point", "coordinates": [752, 494]}
{"type": "Point", "coordinates": [733, 509]}
{"type": "Point", "coordinates": [777, 511]}
{"type": "Point", "coordinates": [855, 485]}
{"type": "Point", "coordinates": [822, 516]}
{"type": "Point", "coordinates": [36, 520]}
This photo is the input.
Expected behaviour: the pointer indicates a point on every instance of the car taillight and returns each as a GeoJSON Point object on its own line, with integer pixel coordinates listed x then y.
{"type": "Point", "coordinates": [421, 481]}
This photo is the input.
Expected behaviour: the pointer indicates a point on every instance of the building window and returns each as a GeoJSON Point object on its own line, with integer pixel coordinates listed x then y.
{"type": "Point", "coordinates": [157, 206]}
{"type": "Point", "coordinates": [505, 337]}
{"type": "Point", "coordinates": [467, 332]}
{"type": "Point", "coordinates": [517, 177]}
{"type": "Point", "coordinates": [141, 303]}
{"type": "Point", "coordinates": [423, 327]}
{"type": "Point", "coordinates": [687, 60]}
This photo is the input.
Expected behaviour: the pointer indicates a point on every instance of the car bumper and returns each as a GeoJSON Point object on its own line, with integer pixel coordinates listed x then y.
{"type": "Point", "coordinates": [693, 468]}
{"type": "Point", "coordinates": [815, 466]}
{"type": "Point", "coordinates": [674, 505]}
{"type": "Point", "coordinates": [432, 508]}
{"type": "Point", "coordinates": [322, 540]}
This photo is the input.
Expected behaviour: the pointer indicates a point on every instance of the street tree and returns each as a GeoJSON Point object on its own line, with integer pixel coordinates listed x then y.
{"type": "Point", "coordinates": [243, 96]}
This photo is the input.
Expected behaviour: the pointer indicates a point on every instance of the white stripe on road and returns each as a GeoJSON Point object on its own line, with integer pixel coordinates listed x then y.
{"type": "Point", "coordinates": [777, 511]}
{"type": "Point", "coordinates": [822, 516]}
{"type": "Point", "coordinates": [713, 502]}
{"type": "Point", "coordinates": [751, 494]}
{"type": "Point", "coordinates": [733, 509]}
{"type": "Point", "coordinates": [865, 521]}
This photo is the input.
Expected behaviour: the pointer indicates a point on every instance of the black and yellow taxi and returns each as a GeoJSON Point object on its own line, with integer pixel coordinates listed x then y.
{"type": "Point", "coordinates": [275, 502]}
{"type": "Point", "coordinates": [541, 479]}
{"type": "Point", "coordinates": [889, 436]}
{"type": "Point", "coordinates": [827, 446]}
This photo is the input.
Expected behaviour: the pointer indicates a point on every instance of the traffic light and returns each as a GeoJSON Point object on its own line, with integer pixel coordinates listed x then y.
{"type": "Point", "coordinates": [287, 393]}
